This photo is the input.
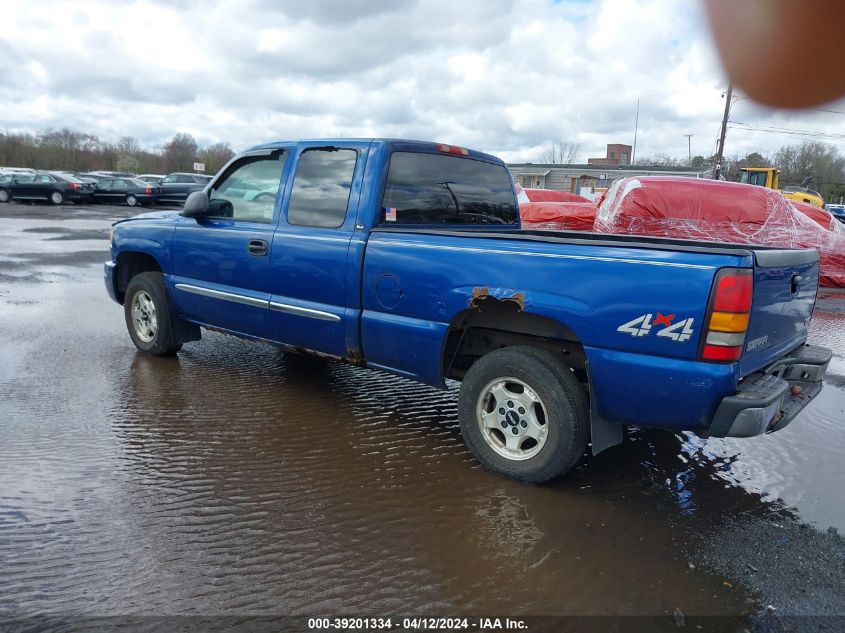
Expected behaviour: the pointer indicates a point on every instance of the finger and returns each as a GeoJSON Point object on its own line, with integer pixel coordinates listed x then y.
{"type": "Point", "coordinates": [782, 53]}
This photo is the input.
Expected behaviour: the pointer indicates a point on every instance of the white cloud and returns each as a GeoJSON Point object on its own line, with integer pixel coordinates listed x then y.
{"type": "Point", "coordinates": [498, 75]}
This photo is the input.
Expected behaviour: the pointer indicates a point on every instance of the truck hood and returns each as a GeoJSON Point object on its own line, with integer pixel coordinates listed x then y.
{"type": "Point", "coordinates": [152, 215]}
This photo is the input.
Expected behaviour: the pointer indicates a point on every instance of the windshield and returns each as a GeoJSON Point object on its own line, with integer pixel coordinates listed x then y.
{"type": "Point", "coordinates": [754, 178]}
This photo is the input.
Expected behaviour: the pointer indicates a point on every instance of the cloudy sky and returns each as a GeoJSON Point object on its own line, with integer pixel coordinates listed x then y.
{"type": "Point", "coordinates": [504, 76]}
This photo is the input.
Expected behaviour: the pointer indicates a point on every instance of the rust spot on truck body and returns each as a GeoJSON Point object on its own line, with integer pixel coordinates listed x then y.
{"type": "Point", "coordinates": [497, 294]}
{"type": "Point", "coordinates": [354, 356]}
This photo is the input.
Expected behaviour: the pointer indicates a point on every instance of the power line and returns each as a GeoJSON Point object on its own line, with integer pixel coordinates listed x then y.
{"type": "Point", "coordinates": [758, 127]}
{"type": "Point", "coordinates": [827, 110]}
{"type": "Point", "coordinates": [775, 128]}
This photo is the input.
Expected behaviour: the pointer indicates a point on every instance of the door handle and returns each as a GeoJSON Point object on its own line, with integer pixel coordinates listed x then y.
{"type": "Point", "coordinates": [257, 247]}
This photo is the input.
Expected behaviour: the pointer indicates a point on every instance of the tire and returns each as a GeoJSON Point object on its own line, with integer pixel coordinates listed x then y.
{"type": "Point", "coordinates": [4, 196]}
{"type": "Point", "coordinates": [131, 200]}
{"type": "Point", "coordinates": [147, 315]}
{"type": "Point", "coordinates": [57, 197]}
{"type": "Point", "coordinates": [546, 424]}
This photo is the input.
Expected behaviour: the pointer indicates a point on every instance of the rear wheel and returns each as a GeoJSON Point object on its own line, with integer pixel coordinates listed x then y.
{"type": "Point", "coordinates": [57, 197]}
{"type": "Point", "coordinates": [147, 315]}
{"type": "Point", "coordinates": [523, 414]}
{"type": "Point", "coordinates": [131, 200]}
{"type": "Point", "coordinates": [4, 195]}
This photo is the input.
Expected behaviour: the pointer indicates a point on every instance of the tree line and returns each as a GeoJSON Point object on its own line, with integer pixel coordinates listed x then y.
{"type": "Point", "coordinates": [69, 150]}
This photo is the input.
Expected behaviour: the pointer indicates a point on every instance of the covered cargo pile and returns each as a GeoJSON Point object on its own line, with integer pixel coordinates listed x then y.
{"type": "Point", "coordinates": [555, 210]}
{"type": "Point", "coordinates": [723, 212]}
{"type": "Point", "coordinates": [820, 216]}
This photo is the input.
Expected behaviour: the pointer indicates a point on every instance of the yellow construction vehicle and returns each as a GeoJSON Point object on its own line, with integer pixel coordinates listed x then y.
{"type": "Point", "coordinates": [769, 177]}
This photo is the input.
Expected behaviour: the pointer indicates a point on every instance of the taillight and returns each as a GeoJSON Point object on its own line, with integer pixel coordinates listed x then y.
{"type": "Point", "coordinates": [76, 186]}
{"type": "Point", "coordinates": [148, 190]}
{"type": "Point", "coordinates": [452, 149]}
{"type": "Point", "coordinates": [728, 315]}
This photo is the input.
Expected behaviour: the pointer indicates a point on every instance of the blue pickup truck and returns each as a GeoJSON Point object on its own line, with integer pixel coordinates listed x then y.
{"type": "Point", "coordinates": [408, 257]}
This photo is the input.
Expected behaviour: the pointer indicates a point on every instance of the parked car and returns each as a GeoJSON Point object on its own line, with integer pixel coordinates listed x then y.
{"type": "Point", "coordinates": [130, 191]}
{"type": "Point", "coordinates": [408, 257]}
{"type": "Point", "coordinates": [54, 187]}
{"type": "Point", "coordinates": [153, 179]}
{"type": "Point", "coordinates": [248, 190]}
{"type": "Point", "coordinates": [837, 211]}
{"type": "Point", "coordinates": [175, 187]}
{"type": "Point", "coordinates": [111, 174]}
{"type": "Point", "coordinates": [88, 176]}
{"type": "Point", "coordinates": [5, 183]}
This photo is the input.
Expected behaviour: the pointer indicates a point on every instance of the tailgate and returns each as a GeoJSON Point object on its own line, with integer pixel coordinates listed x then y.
{"type": "Point", "coordinates": [785, 285]}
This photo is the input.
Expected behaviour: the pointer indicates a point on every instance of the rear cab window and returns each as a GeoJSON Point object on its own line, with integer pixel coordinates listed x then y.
{"type": "Point", "coordinates": [438, 189]}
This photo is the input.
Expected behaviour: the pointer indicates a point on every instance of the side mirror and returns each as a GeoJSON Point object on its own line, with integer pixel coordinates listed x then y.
{"type": "Point", "coordinates": [196, 205]}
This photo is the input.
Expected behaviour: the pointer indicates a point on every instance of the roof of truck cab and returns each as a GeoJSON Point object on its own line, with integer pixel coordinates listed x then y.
{"type": "Point", "coordinates": [394, 143]}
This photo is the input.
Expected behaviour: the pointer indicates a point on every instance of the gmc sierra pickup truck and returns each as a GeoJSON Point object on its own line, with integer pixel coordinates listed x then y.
{"type": "Point", "coordinates": [408, 257]}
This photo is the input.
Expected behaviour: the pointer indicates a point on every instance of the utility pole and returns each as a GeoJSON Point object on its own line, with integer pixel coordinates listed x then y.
{"type": "Point", "coordinates": [689, 147]}
{"type": "Point", "coordinates": [721, 150]}
{"type": "Point", "coordinates": [636, 125]}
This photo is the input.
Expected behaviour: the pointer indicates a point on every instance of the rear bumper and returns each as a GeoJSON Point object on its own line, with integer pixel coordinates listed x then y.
{"type": "Point", "coordinates": [767, 401]}
{"type": "Point", "coordinates": [76, 195]}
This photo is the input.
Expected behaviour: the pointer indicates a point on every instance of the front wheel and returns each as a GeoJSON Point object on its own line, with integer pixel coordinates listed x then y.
{"type": "Point", "coordinates": [147, 315]}
{"type": "Point", "coordinates": [523, 414]}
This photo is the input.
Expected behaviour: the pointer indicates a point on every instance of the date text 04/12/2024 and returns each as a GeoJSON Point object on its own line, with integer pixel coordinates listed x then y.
{"type": "Point", "coordinates": [416, 624]}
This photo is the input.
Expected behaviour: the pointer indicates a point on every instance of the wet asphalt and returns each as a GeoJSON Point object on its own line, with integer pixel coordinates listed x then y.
{"type": "Point", "coordinates": [235, 479]}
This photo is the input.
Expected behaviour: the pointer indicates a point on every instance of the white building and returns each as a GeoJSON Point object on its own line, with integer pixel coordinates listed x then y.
{"type": "Point", "coordinates": [589, 179]}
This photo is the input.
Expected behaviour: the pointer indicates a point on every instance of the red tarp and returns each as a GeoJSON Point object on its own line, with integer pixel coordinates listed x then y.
{"type": "Point", "coordinates": [557, 210]}
{"type": "Point", "coordinates": [720, 211]}
{"type": "Point", "coordinates": [551, 195]}
{"type": "Point", "coordinates": [561, 216]}
{"type": "Point", "coordinates": [820, 216]}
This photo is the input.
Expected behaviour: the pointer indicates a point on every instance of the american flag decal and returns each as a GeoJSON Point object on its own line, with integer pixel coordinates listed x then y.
{"type": "Point", "coordinates": [390, 214]}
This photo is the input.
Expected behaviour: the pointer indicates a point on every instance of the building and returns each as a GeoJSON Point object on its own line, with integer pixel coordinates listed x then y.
{"type": "Point", "coordinates": [617, 154]}
{"type": "Point", "coordinates": [588, 180]}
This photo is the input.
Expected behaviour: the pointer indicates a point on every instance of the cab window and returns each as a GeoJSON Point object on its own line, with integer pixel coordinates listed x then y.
{"type": "Point", "coordinates": [427, 188]}
{"type": "Point", "coordinates": [248, 190]}
{"type": "Point", "coordinates": [321, 187]}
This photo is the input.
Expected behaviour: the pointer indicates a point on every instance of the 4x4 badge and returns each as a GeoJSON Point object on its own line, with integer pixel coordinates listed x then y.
{"type": "Point", "coordinates": [680, 332]}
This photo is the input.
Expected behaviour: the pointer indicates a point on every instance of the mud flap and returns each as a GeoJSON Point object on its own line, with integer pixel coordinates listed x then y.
{"type": "Point", "coordinates": [183, 331]}
{"type": "Point", "coordinates": [603, 433]}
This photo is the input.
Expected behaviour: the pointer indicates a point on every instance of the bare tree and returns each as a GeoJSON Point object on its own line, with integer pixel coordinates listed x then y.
{"type": "Point", "coordinates": [560, 153]}
{"type": "Point", "coordinates": [128, 163]}
{"type": "Point", "coordinates": [215, 156]}
{"type": "Point", "coordinates": [180, 153]}
{"type": "Point", "coordinates": [661, 160]}
{"type": "Point", "coordinates": [810, 158]}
